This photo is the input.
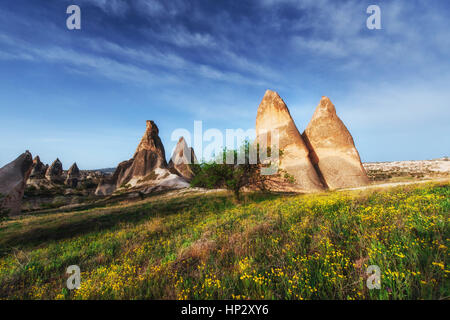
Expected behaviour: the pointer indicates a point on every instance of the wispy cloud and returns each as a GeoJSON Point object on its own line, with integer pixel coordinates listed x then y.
{"type": "Point", "coordinates": [110, 7]}
{"type": "Point", "coordinates": [212, 60]}
{"type": "Point", "coordinates": [86, 63]}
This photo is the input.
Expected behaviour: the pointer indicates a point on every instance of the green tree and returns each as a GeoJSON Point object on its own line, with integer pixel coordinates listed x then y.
{"type": "Point", "coordinates": [236, 171]}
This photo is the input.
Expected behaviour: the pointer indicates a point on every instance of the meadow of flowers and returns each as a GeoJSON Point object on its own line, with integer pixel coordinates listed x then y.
{"type": "Point", "coordinates": [208, 247]}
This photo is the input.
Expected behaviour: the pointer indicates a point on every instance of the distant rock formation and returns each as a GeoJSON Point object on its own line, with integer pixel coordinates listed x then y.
{"type": "Point", "coordinates": [147, 170]}
{"type": "Point", "coordinates": [39, 169]}
{"type": "Point", "coordinates": [333, 151]}
{"type": "Point", "coordinates": [273, 114]}
{"type": "Point", "coordinates": [37, 177]}
{"type": "Point", "coordinates": [13, 178]}
{"type": "Point", "coordinates": [108, 185]}
{"type": "Point", "coordinates": [182, 158]}
{"type": "Point", "coordinates": [73, 176]}
{"type": "Point", "coordinates": [55, 172]}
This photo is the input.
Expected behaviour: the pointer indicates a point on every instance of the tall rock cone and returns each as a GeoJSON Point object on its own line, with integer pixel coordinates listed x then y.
{"type": "Point", "coordinates": [39, 169]}
{"type": "Point", "coordinates": [182, 158]}
{"type": "Point", "coordinates": [333, 150]}
{"type": "Point", "coordinates": [273, 114]}
{"type": "Point", "coordinates": [55, 171]}
{"type": "Point", "coordinates": [147, 169]}
{"type": "Point", "coordinates": [73, 176]}
{"type": "Point", "coordinates": [13, 178]}
{"type": "Point", "coordinates": [149, 156]}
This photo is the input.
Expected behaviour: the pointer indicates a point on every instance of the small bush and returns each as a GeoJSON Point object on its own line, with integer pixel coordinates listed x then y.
{"type": "Point", "coordinates": [151, 176]}
{"type": "Point", "coordinates": [125, 186]}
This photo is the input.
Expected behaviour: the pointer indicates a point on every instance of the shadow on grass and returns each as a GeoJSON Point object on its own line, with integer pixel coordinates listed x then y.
{"type": "Point", "coordinates": [77, 225]}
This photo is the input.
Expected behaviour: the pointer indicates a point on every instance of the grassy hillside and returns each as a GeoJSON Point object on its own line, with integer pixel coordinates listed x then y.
{"type": "Point", "coordinates": [208, 247]}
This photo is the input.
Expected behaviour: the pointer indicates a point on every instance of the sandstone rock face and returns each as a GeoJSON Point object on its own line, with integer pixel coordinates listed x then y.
{"type": "Point", "coordinates": [54, 172]}
{"type": "Point", "coordinates": [108, 185]}
{"type": "Point", "coordinates": [333, 151]}
{"type": "Point", "coordinates": [147, 170]}
{"type": "Point", "coordinates": [13, 178]}
{"type": "Point", "coordinates": [149, 155]}
{"type": "Point", "coordinates": [39, 169]}
{"type": "Point", "coordinates": [273, 115]}
{"type": "Point", "coordinates": [181, 159]}
{"type": "Point", "coordinates": [105, 187]}
{"type": "Point", "coordinates": [73, 176]}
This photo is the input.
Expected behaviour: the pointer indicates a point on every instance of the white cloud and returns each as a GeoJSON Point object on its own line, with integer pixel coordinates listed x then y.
{"type": "Point", "coordinates": [84, 63]}
{"type": "Point", "coordinates": [150, 7]}
{"type": "Point", "coordinates": [110, 7]}
{"type": "Point", "coordinates": [181, 37]}
{"type": "Point", "coordinates": [155, 8]}
{"type": "Point", "coordinates": [151, 56]}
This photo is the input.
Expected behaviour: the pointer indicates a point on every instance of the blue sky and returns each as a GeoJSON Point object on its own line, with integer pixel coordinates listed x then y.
{"type": "Point", "coordinates": [84, 95]}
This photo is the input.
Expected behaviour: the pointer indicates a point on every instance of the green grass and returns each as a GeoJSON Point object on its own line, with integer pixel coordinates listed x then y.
{"type": "Point", "coordinates": [209, 247]}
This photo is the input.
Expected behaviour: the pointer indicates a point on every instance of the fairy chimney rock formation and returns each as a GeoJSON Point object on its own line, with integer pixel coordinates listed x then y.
{"type": "Point", "coordinates": [55, 171]}
{"type": "Point", "coordinates": [39, 169]}
{"type": "Point", "coordinates": [182, 158]}
{"type": "Point", "coordinates": [333, 149]}
{"type": "Point", "coordinates": [148, 167]}
{"type": "Point", "coordinates": [73, 176]}
{"type": "Point", "coordinates": [13, 178]}
{"type": "Point", "coordinates": [149, 156]}
{"type": "Point", "coordinates": [273, 116]}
